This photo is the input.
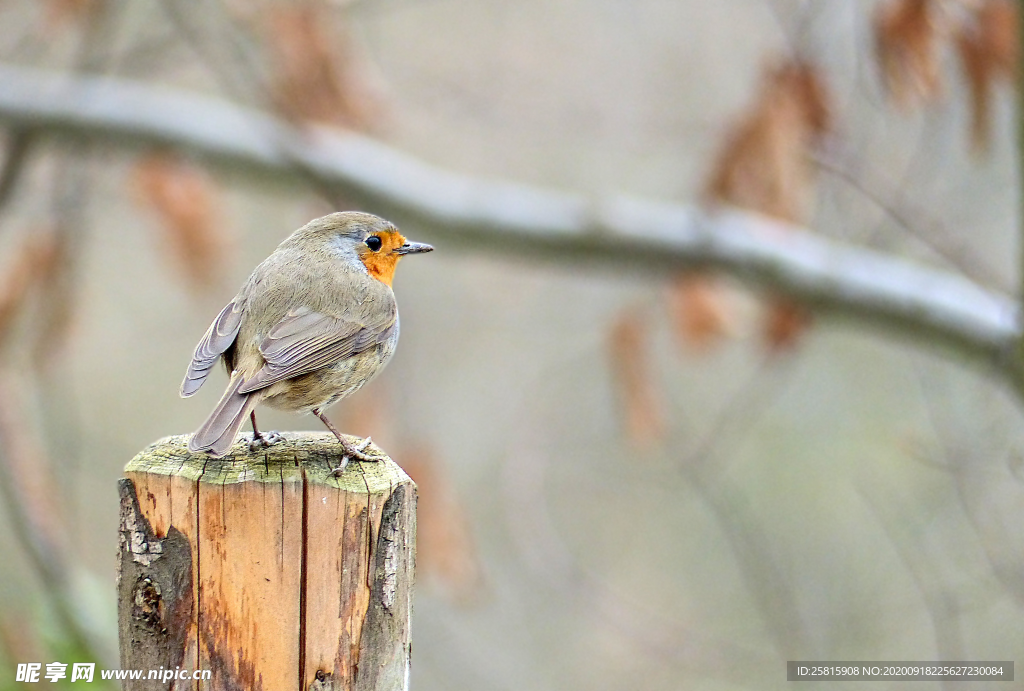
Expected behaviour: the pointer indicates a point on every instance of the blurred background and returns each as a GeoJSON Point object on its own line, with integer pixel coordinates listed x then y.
{"type": "Point", "coordinates": [628, 479]}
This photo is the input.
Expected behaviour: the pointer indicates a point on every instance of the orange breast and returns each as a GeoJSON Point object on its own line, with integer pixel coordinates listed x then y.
{"type": "Point", "coordinates": [381, 264]}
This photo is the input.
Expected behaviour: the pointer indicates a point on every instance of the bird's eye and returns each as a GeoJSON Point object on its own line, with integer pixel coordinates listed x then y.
{"type": "Point", "coordinates": [374, 243]}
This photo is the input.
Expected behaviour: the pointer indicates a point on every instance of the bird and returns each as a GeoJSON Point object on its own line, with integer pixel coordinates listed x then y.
{"type": "Point", "coordinates": [314, 322]}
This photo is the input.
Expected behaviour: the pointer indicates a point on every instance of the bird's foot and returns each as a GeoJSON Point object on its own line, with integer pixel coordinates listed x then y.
{"type": "Point", "coordinates": [263, 440]}
{"type": "Point", "coordinates": [357, 451]}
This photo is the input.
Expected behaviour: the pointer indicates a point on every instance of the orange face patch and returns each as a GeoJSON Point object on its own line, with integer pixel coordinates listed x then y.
{"type": "Point", "coordinates": [381, 264]}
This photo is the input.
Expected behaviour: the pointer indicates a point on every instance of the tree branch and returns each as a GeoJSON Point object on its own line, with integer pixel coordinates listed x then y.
{"type": "Point", "coordinates": [18, 147]}
{"type": "Point", "coordinates": [510, 219]}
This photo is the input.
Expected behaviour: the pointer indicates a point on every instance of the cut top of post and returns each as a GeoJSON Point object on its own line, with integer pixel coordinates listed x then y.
{"type": "Point", "coordinates": [316, 454]}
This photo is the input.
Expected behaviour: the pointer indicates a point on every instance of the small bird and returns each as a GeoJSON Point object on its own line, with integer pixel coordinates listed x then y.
{"type": "Point", "coordinates": [312, 324]}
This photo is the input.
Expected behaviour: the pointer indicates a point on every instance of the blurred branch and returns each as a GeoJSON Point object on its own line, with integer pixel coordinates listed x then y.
{"type": "Point", "coordinates": [770, 587]}
{"type": "Point", "coordinates": [32, 512]}
{"type": "Point", "coordinates": [706, 468]}
{"type": "Point", "coordinates": [229, 53]}
{"type": "Point", "coordinates": [915, 222]}
{"type": "Point", "coordinates": [982, 467]}
{"type": "Point", "coordinates": [925, 569]}
{"type": "Point", "coordinates": [518, 220]}
{"type": "Point", "coordinates": [641, 621]}
{"type": "Point", "coordinates": [704, 462]}
{"type": "Point", "coordinates": [19, 143]}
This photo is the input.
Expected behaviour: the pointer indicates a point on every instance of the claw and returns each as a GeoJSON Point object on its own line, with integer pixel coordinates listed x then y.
{"type": "Point", "coordinates": [337, 472]}
{"type": "Point", "coordinates": [358, 451]}
{"type": "Point", "coordinates": [263, 440]}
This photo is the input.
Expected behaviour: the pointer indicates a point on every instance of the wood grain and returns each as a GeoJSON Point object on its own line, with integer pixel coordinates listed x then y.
{"type": "Point", "coordinates": [282, 576]}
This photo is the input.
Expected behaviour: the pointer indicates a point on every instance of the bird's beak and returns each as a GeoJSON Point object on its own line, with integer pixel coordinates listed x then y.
{"type": "Point", "coordinates": [413, 248]}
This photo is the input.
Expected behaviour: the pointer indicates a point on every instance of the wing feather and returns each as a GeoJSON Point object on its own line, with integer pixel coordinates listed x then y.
{"type": "Point", "coordinates": [305, 341]}
{"type": "Point", "coordinates": [217, 339]}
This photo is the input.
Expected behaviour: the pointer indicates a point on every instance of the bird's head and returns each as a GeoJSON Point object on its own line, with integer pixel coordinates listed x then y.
{"type": "Point", "coordinates": [374, 242]}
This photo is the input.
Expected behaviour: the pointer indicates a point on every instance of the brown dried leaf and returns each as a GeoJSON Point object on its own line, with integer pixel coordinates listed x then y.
{"type": "Point", "coordinates": [188, 205]}
{"type": "Point", "coordinates": [316, 73]}
{"type": "Point", "coordinates": [57, 298]}
{"type": "Point", "coordinates": [644, 418]}
{"type": "Point", "coordinates": [988, 46]}
{"type": "Point", "coordinates": [445, 550]}
{"type": "Point", "coordinates": [29, 471]}
{"type": "Point", "coordinates": [764, 164]}
{"type": "Point", "coordinates": [31, 264]}
{"type": "Point", "coordinates": [806, 86]}
{"type": "Point", "coordinates": [907, 48]}
{"type": "Point", "coordinates": [999, 27]}
{"type": "Point", "coordinates": [59, 12]}
{"type": "Point", "coordinates": [785, 324]}
{"type": "Point", "coordinates": [701, 309]}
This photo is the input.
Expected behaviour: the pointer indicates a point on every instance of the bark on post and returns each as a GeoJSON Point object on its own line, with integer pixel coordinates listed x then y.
{"type": "Point", "coordinates": [265, 569]}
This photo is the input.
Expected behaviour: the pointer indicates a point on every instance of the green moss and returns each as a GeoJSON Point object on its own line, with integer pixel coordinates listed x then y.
{"type": "Point", "coordinates": [313, 454]}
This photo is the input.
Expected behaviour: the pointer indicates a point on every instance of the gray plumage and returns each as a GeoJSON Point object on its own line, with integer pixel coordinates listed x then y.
{"type": "Point", "coordinates": [310, 326]}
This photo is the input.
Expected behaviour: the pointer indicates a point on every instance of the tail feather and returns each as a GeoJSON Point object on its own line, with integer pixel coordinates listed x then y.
{"type": "Point", "coordinates": [218, 433]}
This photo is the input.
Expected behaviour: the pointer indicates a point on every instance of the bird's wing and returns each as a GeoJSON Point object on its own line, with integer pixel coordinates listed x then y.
{"type": "Point", "coordinates": [305, 341]}
{"type": "Point", "coordinates": [218, 338]}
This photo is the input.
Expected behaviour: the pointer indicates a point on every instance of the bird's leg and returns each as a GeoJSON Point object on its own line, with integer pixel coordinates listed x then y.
{"type": "Point", "coordinates": [259, 439]}
{"type": "Point", "coordinates": [351, 450]}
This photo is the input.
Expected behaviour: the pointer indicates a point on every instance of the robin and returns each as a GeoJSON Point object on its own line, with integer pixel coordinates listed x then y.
{"type": "Point", "coordinates": [313, 323]}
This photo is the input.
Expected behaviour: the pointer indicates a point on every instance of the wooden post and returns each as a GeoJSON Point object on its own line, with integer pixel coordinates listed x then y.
{"type": "Point", "coordinates": [265, 569]}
